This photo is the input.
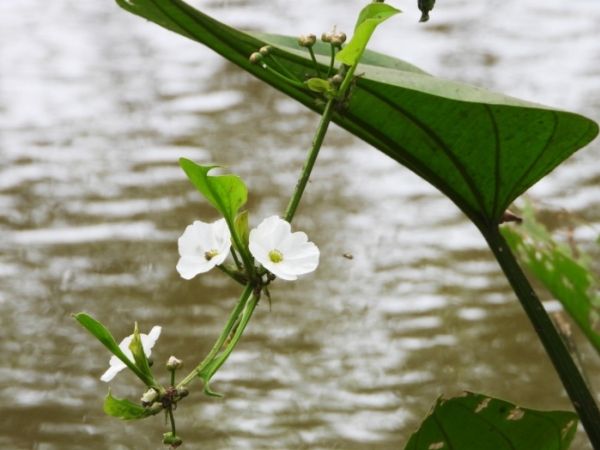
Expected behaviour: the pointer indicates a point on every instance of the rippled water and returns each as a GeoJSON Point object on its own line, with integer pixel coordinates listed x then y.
{"type": "Point", "coordinates": [96, 106]}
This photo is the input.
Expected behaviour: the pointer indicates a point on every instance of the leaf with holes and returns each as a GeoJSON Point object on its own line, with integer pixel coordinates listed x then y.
{"type": "Point", "coordinates": [565, 275]}
{"type": "Point", "coordinates": [480, 148]}
{"type": "Point", "coordinates": [476, 421]}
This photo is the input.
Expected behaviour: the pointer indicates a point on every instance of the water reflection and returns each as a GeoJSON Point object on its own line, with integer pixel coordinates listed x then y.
{"type": "Point", "coordinates": [96, 106]}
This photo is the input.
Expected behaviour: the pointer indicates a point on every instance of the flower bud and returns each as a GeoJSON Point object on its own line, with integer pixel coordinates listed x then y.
{"type": "Point", "coordinates": [337, 80]}
{"type": "Point", "coordinates": [307, 40]}
{"type": "Point", "coordinates": [171, 440]}
{"type": "Point", "coordinates": [256, 58]}
{"type": "Point", "coordinates": [326, 37]}
{"type": "Point", "coordinates": [149, 397]}
{"type": "Point", "coordinates": [266, 50]}
{"type": "Point", "coordinates": [338, 39]}
{"type": "Point", "coordinates": [183, 392]}
{"type": "Point", "coordinates": [174, 364]}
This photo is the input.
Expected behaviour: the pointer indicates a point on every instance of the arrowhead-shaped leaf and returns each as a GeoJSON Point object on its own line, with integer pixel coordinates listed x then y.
{"type": "Point", "coordinates": [227, 193]}
{"type": "Point", "coordinates": [476, 421]}
{"type": "Point", "coordinates": [480, 148]}
{"type": "Point", "coordinates": [368, 19]}
{"type": "Point", "coordinates": [124, 409]}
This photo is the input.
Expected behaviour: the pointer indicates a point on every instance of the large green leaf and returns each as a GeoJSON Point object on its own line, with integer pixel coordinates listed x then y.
{"type": "Point", "coordinates": [564, 273]}
{"type": "Point", "coordinates": [478, 422]}
{"type": "Point", "coordinates": [480, 148]}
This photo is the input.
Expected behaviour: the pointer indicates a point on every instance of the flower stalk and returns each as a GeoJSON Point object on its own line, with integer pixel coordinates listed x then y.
{"type": "Point", "coordinates": [572, 380]}
{"type": "Point", "coordinates": [310, 160]}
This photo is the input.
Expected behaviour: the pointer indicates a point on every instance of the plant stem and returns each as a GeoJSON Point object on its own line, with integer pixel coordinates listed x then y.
{"type": "Point", "coordinates": [310, 160]}
{"type": "Point", "coordinates": [239, 307]}
{"type": "Point", "coordinates": [172, 419]}
{"type": "Point", "coordinates": [314, 60]}
{"type": "Point", "coordinates": [572, 380]}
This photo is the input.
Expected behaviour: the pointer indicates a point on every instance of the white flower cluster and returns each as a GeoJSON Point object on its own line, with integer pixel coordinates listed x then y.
{"type": "Point", "coordinates": [283, 253]}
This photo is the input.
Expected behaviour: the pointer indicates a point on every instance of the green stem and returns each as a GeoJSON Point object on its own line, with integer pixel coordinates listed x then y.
{"type": "Point", "coordinates": [239, 307]}
{"type": "Point", "coordinates": [314, 60]}
{"type": "Point", "coordinates": [571, 378]}
{"type": "Point", "coordinates": [235, 258]}
{"type": "Point", "coordinates": [310, 161]}
{"type": "Point", "coordinates": [347, 80]}
{"type": "Point", "coordinates": [224, 269]}
{"type": "Point", "coordinates": [284, 78]}
{"type": "Point", "coordinates": [172, 419]}
{"type": "Point", "coordinates": [220, 360]}
{"type": "Point", "coordinates": [283, 68]}
{"type": "Point", "coordinates": [330, 70]}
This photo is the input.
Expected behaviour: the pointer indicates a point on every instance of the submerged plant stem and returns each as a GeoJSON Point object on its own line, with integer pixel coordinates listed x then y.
{"type": "Point", "coordinates": [310, 160]}
{"type": "Point", "coordinates": [567, 370]}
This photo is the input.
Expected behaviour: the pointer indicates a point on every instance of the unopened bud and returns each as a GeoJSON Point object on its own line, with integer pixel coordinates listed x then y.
{"type": "Point", "coordinates": [337, 80]}
{"type": "Point", "coordinates": [266, 50]}
{"type": "Point", "coordinates": [271, 276]}
{"type": "Point", "coordinates": [338, 39]}
{"type": "Point", "coordinates": [326, 37]}
{"type": "Point", "coordinates": [256, 58]}
{"type": "Point", "coordinates": [183, 391]}
{"type": "Point", "coordinates": [174, 364]}
{"type": "Point", "coordinates": [171, 440]}
{"type": "Point", "coordinates": [149, 397]}
{"type": "Point", "coordinates": [307, 40]}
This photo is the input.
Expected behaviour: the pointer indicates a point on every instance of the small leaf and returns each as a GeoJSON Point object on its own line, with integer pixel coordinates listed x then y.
{"type": "Point", "coordinates": [568, 278]}
{"type": "Point", "coordinates": [210, 393]}
{"type": "Point", "coordinates": [476, 421]}
{"type": "Point", "coordinates": [242, 230]}
{"type": "Point", "coordinates": [319, 85]}
{"type": "Point", "coordinates": [206, 374]}
{"type": "Point", "coordinates": [137, 349]}
{"type": "Point", "coordinates": [227, 193]}
{"type": "Point", "coordinates": [368, 19]}
{"type": "Point", "coordinates": [124, 409]}
{"type": "Point", "coordinates": [102, 334]}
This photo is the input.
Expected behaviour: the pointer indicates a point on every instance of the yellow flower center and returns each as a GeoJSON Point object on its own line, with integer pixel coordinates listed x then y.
{"type": "Point", "coordinates": [210, 255]}
{"type": "Point", "coordinates": [276, 256]}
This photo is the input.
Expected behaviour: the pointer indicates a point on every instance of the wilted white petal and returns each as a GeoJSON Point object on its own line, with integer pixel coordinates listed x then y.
{"type": "Point", "coordinates": [282, 252]}
{"type": "Point", "coordinates": [116, 365]}
{"type": "Point", "coordinates": [202, 247]}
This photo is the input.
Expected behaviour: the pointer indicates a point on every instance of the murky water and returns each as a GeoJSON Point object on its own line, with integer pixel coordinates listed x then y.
{"type": "Point", "coordinates": [96, 106]}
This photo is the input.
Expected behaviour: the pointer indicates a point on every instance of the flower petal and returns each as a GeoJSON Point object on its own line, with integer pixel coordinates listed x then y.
{"type": "Point", "coordinates": [116, 365]}
{"type": "Point", "coordinates": [299, 255]}
{"type": "Point", "coordinates": [198, 239]}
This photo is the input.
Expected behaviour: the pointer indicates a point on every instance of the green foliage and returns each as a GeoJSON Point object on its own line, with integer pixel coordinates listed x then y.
{"type": "Point", "coordinates": [565, 273]}
{"type": "Point", "coordinates": [242, 229]}
{"type": "Point", "coordinates": [102, 334]}
{"type": "Point", "coordinates": [125, 409]}
{"type": "Point", "coordinates": [137, 350]}
{"type": "Point", "coordinates": [371, 16]}
{"type": "Point", "coordinates": [480, 148]}
{"type": "Point", "coordinates": [227, 193]}
{"type": "Point", "coordinates": [476, 421]}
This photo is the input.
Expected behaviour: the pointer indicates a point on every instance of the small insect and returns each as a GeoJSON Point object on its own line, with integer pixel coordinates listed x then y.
{"type": "Point", "coordinates": [208, 256]}
{"type": "Point", "coordinates": [348, 256]}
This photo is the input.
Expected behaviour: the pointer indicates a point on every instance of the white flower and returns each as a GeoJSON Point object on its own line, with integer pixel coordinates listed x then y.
{"type": "Point", "coordinates": [116, 365]}
{"type": "Point", "coordinates": [149, 396]}
{"type": "Point", "coordinates": [282, 252]}
{"type": "Point", "coordinates": [202, 247]}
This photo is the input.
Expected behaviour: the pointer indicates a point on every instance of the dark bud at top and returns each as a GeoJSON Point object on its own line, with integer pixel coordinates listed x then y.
{"type": "Point", "coordinates": [307, 40]}
{"type": "Point", "coordinates": [256, 58]}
